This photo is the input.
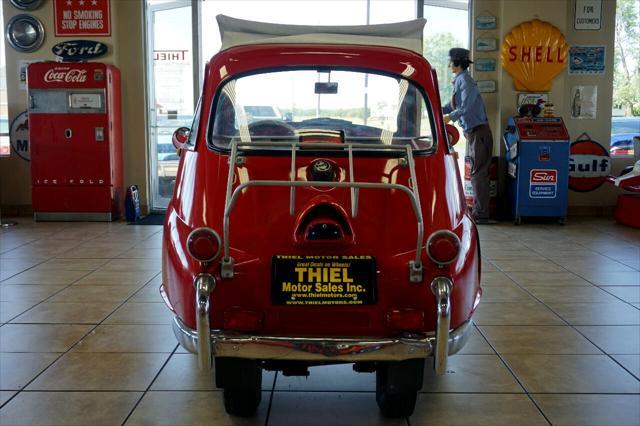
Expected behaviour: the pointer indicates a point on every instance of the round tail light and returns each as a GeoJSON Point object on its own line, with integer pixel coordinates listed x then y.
{"type": "Point", "coordinates": [203, 244]}
{"type": "Point", "coordinates": [443, 247]}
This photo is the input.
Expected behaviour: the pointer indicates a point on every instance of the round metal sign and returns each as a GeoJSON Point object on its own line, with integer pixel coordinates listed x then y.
{"type": "Point", "coordinates": [19, 136]}
{"type": "Point", "coordinates": [26, 4]}
{"type": "Point", "coordinates": [589, 164]}
{"type": "Point", "coordinates": [25, 33]}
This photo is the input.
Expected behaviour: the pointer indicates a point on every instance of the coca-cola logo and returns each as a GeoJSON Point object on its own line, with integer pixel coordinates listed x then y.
{"type": "Point", "coordinates": [57, 75]}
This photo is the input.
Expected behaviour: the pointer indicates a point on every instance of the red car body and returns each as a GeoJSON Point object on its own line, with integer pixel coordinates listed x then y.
{"type": "Point", "coordinates": [261, 226]}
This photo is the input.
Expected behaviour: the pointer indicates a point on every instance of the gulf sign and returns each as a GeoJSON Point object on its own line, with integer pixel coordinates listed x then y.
{"type": "Point", "coordinates": [589, 165]}
{"type": "Point", "coordinates": [543, 183]}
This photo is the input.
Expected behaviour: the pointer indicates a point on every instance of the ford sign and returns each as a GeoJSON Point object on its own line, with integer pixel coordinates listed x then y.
{"type": "Point", "coordinates": [79, 50]}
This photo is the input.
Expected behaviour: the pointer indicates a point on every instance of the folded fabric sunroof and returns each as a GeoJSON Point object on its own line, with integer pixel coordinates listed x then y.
{"type": "Point", "coordinates": [238, 32]}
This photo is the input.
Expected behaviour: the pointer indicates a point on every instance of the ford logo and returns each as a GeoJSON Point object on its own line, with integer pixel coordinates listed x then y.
{"type": "Point", "coordinates": [79, 50]}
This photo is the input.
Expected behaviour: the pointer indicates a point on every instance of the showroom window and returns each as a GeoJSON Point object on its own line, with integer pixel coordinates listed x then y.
{"type": "Point", "coordinates": [447, 27]}
{"type": "Point", "coordinates": [625, 120]}
{"type": "Point", "coordinates": [176, 53]}
{"type": "Point", "coordinates": [4, 111]}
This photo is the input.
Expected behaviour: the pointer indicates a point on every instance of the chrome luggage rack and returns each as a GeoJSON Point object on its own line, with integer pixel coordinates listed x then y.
{"type": "Point", "coordinates": [415, 266]}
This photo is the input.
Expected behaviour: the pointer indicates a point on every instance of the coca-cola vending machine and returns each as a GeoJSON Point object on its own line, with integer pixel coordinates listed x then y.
{"type": "Point", "coordinates": [76, 141]}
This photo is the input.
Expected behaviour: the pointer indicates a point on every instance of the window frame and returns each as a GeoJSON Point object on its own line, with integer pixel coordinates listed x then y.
{"type": "Point", "coordinates": [222, 150]}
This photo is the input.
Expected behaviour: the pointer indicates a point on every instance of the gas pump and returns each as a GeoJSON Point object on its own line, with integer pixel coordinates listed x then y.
{"type": "Point", "coordinates": [76, 141]}
{"type": "Point", "coordinates": [537, 154]}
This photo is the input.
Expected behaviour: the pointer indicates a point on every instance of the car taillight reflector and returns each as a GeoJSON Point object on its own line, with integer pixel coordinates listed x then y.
{"type": "Point", "coordinates": [203, 244]}
{"type": "Point", "coordinates": [443, 247]}
{"type": "Point", "coordinates": [405, 319]}
{"type": "Point", "coordinates": [238, 319]}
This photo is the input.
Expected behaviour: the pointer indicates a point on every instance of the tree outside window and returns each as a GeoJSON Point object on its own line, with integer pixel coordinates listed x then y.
{"type": "Point", "coordinates": [625, 124]}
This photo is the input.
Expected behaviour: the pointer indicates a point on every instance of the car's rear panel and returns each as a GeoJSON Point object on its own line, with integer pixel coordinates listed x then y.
{"type": "Point", "coordinates": [262, 227]}
{"type": "Point", "coordinates": [385, 228]}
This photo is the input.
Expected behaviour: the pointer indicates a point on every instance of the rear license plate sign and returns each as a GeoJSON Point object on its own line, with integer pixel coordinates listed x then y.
{"type": "Point", "coordinates": [323, 280]}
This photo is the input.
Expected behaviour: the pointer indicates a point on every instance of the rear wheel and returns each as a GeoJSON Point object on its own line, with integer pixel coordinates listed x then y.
{"type": "Point", "coordinates": [241, 383]}
{"type": "Point", "coordinates": [397, 386]}
{"type": "Point", "coordinates": [241, 402]}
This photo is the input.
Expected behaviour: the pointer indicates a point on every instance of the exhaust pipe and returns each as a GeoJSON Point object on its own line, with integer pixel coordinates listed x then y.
{"type": "Point", "coordinates": [441, 288]}
{"type": "Point", "coordinates": [204, 284]}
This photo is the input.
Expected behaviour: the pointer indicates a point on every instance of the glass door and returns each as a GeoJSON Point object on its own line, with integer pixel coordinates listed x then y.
{"type": "Point", "coordinates": [447, 27]}
{"type": "Point", "coordinates": [178, 43]}
{"type": "Point", "coordinates": [171, 90]}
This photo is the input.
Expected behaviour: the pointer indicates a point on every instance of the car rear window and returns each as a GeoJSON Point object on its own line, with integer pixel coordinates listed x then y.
{"type": "Point", "coordinates": [363, 107]}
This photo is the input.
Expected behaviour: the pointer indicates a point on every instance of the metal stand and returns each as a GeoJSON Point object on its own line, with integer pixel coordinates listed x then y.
{"type": "Point", "coordinates": [411, 189]}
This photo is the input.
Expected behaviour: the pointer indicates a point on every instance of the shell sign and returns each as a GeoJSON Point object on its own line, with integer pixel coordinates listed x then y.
{"type": "Point", "coordinates": [534, 52]}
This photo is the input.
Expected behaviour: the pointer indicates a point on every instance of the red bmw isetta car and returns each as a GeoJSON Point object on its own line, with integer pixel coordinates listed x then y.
{"type": "Point", "coordinates": [336, 233]}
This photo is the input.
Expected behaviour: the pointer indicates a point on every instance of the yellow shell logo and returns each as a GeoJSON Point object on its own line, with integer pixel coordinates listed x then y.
{"type": "Point", "coordinates": [533, 53]}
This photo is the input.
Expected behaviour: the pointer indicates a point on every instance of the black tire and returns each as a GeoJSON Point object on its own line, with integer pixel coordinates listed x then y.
{"type": "Point", "coordinates": [241, 402]}
{"type": "Point", "coordinates": [241, 383]}
{"type": "Point", "coordinates": [397, 386]}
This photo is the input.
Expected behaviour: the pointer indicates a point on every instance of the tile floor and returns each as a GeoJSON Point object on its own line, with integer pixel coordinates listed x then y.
{"type": "Point", "coordinates": [85, 338]}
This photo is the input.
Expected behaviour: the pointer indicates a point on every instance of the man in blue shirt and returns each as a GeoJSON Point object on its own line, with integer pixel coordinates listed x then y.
{"type": "Point", "coordinates": [467, 107]}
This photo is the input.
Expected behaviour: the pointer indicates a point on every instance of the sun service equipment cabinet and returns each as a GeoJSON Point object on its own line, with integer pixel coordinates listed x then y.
{"type": "Point", "coordinates": [76, 141]}
{"type": "Point", "coordinates": [537, 154]}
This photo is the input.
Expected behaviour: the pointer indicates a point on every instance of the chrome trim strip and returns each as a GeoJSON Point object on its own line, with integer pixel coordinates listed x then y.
{"type": "Point", "coordinates": [441, 288]}
{"type": "Point", "coordinates": [292, 194]}
{"type": "Point", "coordinates": [412, 191]}
{"type": "Point", "coordinates": [204, 284]}
{"type": "Point", "coordinates": [354, 192]}
{"type": "Point", "coordinates": [225, 223]}
{"type": "Point", "coordinates": [321, 348]}
{"type": "Point", "coordinates": [415, 267]}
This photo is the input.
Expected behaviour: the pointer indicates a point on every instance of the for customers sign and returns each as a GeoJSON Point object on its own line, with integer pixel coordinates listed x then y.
{"type": "Point", "coordinates": [82, 17]}
{"type": "Point", "coordinates": [588, 15]}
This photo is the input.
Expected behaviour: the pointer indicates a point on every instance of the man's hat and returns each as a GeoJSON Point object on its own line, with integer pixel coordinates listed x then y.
{"type": "Point", "coordinates": [458, 54]}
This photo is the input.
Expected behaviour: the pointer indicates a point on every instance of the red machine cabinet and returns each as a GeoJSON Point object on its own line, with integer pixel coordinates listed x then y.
{"type": "Point", "coordinates": [75, 135]}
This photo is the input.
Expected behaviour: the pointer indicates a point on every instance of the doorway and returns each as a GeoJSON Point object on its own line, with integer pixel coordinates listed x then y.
{"type": "Point", "coordinates": [178, 45]}
{"type": "Point", "coordinates": [171, 90]}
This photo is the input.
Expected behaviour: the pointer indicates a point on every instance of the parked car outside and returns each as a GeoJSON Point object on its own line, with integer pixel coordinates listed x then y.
{"type": "Point", "coordinates": [262, 112]}
{"type": "Point", "coordinates": [623, 130]}
{"type": "Point", "coordinates": [323, 239]}
{"type": "Point", "coordinates": [5, 146]}
{"type": "Point", "coordinates": [166, 153]}
{"type": "Point", "coordinates": [165, 125]}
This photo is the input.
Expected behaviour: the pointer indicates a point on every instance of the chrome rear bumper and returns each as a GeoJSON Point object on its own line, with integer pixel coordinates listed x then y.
{"type": "Point", "coordinates": [321, 348]}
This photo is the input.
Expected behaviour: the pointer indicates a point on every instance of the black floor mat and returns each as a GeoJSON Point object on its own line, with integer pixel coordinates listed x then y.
{"type": "Point", "coordinates": [152, 219]}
